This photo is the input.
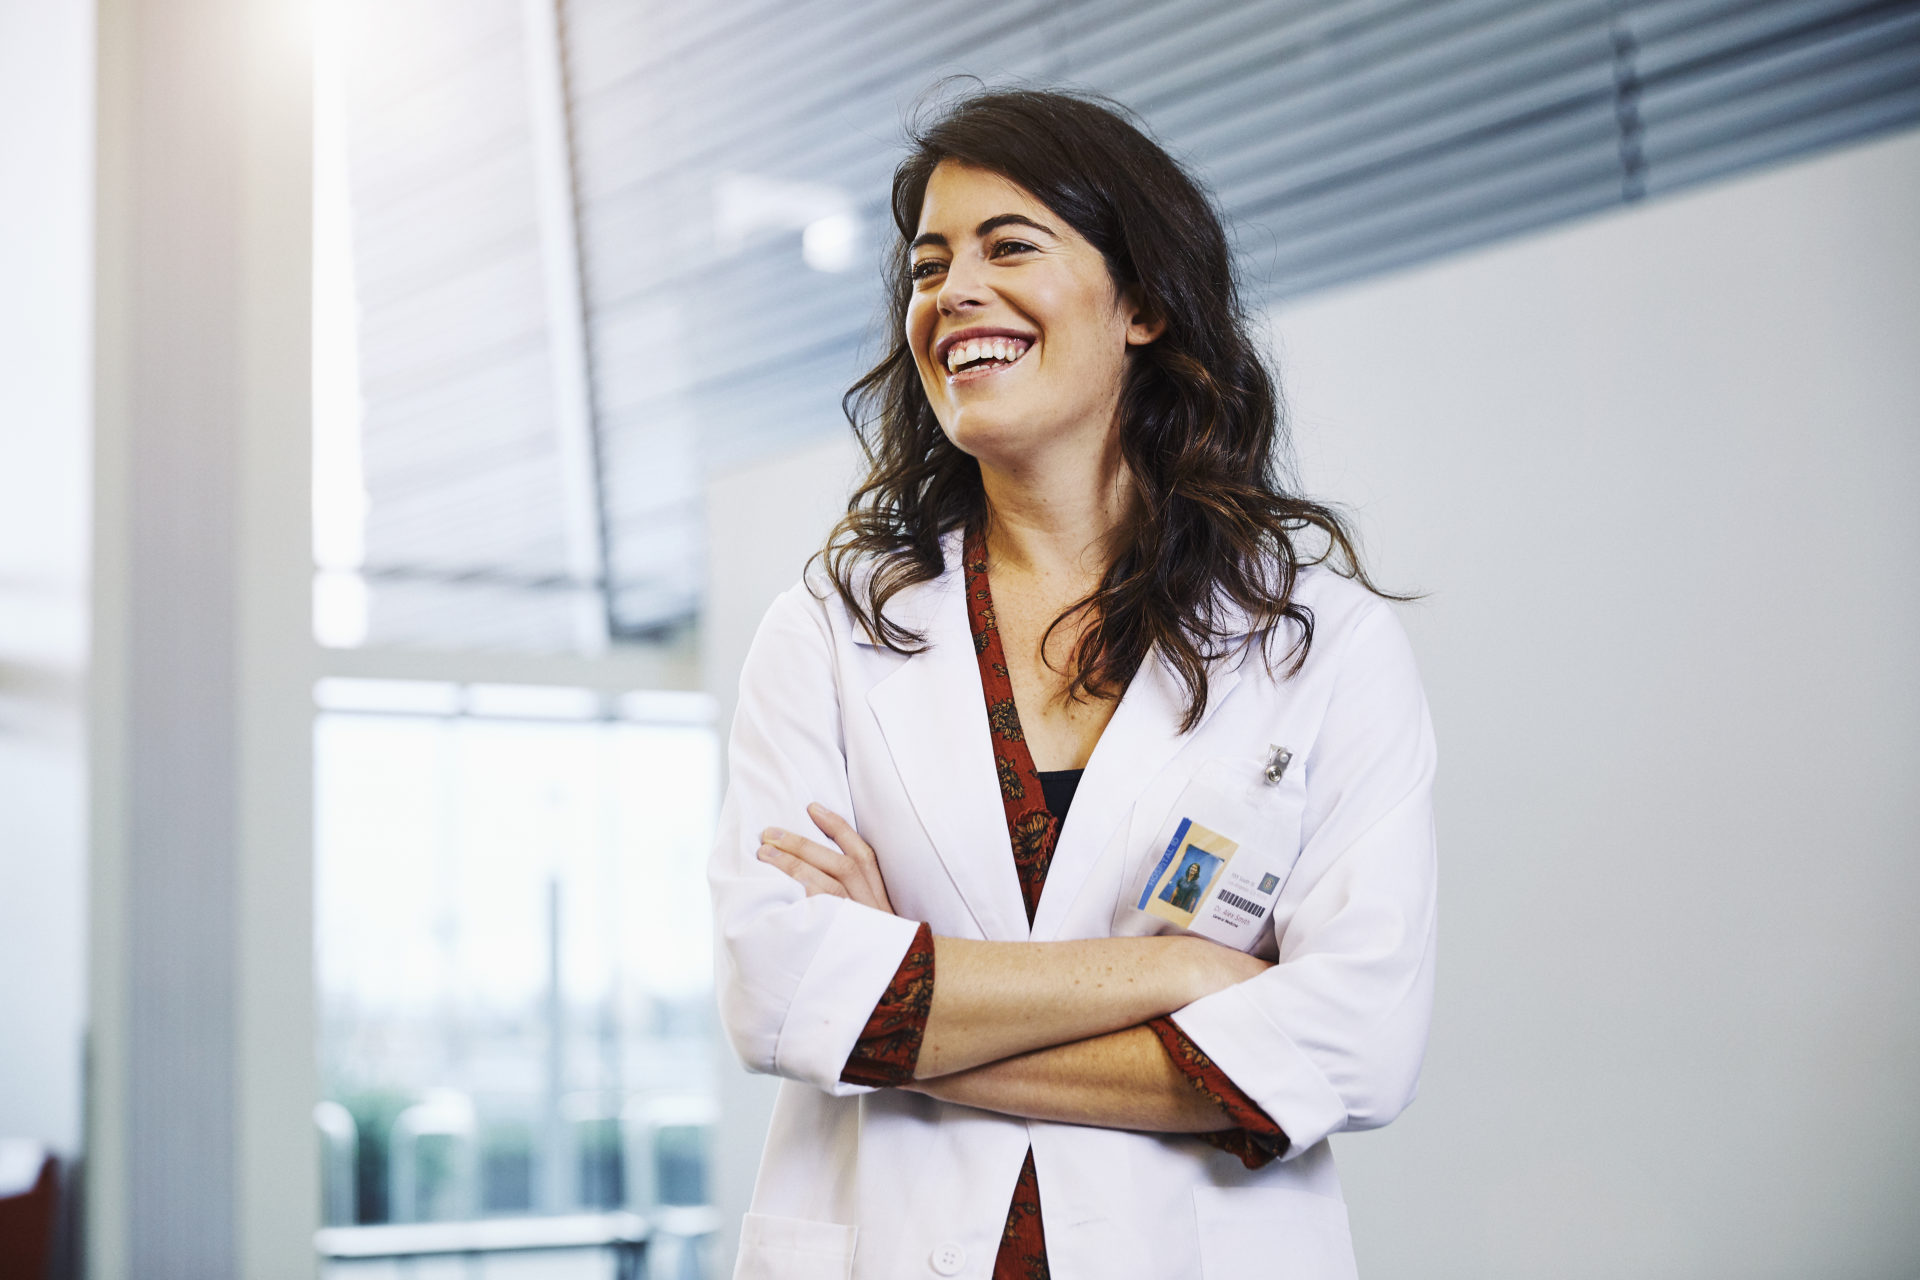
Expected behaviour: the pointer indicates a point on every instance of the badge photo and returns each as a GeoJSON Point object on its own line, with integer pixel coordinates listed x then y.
{"type": "Point", "coordinates": [1187, 870]}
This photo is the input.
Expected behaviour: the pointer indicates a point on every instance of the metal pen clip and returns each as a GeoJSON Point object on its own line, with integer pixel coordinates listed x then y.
{"type": "Point", "coordinates": [1278, 758]}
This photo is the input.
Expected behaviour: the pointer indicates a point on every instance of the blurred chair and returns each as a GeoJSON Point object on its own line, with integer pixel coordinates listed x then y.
{"type": "Point", "coordinates": [339, 1155]}
{"type": "Point", "coordinates": [452, 1191]}
{"type": "Point", "coordinates": [596, 1155]}
{"type": "Point", "coordinates": [29, 1200]}
{"type": "Point", "coordinates": [669, 1160]}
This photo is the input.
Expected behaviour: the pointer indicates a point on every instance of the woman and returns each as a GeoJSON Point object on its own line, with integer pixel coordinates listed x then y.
{"type": "Point", "coordinates": [1071, 584]}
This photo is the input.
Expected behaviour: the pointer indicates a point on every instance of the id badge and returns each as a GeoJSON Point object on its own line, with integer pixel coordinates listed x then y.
{"type": "Point", "coordinates": [1224, 852]}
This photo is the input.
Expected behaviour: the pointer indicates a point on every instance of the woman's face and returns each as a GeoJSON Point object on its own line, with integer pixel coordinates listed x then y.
{"type": "Point", "coordinates": [1018, 331]}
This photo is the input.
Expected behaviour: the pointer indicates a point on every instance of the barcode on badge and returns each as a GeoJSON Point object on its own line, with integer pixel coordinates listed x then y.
{"type": "Point", "coordinates": [1255, 909]}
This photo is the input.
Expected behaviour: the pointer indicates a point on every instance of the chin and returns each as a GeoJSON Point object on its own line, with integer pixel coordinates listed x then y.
{"type": "Point", "coordinates": [989, 436]}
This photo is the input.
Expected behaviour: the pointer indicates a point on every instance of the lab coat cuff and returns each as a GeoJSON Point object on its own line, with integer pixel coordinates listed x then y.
{"type": "Point", "coordinates": [846, 977]}
{"type": "Point", "coordinates": [1264, 1063]}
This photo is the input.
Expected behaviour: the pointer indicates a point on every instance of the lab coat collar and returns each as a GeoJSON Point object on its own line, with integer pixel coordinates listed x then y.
{"type": "Point", "coordinates": [917, 607]}
{"type": "Point", "coordinates": [934, 719]}
{"type": "Point", "coordinates": [933, 716]}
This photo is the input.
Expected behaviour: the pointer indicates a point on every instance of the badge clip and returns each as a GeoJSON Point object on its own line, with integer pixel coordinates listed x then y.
{"type": "Point", "coordinates": [1278, 758]}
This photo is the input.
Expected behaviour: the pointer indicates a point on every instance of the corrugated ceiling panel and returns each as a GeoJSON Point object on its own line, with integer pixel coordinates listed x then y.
{"type": "Point", "coordinates": [1343, 138]}
{"type": "Point", "coordinates": [1725, 87]}
{"type": "Point", "coordinates": [459, 450]}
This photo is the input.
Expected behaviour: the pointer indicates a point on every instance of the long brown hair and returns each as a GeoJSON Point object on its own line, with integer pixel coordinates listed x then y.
{"type": "Point", "coordinates": [1217, 532]}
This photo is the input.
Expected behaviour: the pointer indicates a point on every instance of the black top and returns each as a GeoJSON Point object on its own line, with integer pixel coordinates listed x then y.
{"type": "Point", "coordinates": [1058, 788]}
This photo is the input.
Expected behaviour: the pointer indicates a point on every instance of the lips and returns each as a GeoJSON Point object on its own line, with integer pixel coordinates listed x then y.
{"type": "Point", "coordinates": [980, 350]}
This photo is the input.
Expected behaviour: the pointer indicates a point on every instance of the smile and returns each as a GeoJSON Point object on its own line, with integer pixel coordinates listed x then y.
{"type": "Point", "coordinates": [980, 356]}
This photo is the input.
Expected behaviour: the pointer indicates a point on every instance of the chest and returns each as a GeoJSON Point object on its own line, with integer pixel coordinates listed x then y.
{"type": "Point", "coordinates": [926, 783]}
{"type": "Point", "coordinates": [1061, 732]}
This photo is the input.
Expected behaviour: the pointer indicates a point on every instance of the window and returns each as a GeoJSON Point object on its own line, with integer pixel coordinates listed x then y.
{"type": "Point", "coordinates": [514, 950]}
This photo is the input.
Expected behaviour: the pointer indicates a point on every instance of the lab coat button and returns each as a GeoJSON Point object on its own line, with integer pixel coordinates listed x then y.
{"type": "Point", "coordinates": [947, 1259]}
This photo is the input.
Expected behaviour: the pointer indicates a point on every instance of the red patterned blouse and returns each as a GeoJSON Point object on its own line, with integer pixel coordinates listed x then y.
{"type": "Point", "coordinates": [889, 1046]}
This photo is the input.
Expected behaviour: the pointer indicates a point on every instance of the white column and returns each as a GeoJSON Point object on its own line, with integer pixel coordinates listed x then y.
{"type": "Point", "coordinates": [201, 1151]}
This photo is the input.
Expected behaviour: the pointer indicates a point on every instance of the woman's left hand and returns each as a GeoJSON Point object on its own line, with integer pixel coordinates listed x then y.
{"type": "Point", "coordinates": [851, 871]}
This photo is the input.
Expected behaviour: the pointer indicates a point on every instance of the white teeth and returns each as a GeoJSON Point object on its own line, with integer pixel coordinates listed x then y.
{"type": "Point", "coordinates": [1006, 350]}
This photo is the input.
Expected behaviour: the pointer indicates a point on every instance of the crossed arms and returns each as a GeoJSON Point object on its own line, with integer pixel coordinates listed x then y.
{"type": "Point", "coordinates": [1040, 1030]}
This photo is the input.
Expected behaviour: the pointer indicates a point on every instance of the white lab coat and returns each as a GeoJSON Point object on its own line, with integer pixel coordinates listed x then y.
{"type": "Point", "coordinates": [888, 1185]}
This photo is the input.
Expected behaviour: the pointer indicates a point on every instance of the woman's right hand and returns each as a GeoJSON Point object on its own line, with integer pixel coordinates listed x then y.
{"type": "Point", "coordinates": [1212, 967]}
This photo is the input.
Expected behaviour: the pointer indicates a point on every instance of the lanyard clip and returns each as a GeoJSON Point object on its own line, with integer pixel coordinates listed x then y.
{"type": "Point", "coordinates": [1278, 758]}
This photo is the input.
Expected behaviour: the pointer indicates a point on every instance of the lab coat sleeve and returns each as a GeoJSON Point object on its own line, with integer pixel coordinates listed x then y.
{"type": "Point", "coordinates": [1331, 1038]}
{"type": "Point", "coordinates": [798, 975]}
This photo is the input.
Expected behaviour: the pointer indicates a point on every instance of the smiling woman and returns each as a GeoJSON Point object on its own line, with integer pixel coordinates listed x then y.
{"type": "Point", "coordinates": [1047, 219]}
{"type": "Point", "coordinates": [1074, 582]}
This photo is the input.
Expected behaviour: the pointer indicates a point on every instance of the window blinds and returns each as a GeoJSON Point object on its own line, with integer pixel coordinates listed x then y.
{"type": "Point", "coordinates": [730, 161]}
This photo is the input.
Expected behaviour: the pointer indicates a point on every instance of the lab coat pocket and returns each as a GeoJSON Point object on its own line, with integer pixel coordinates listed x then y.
{"type": "Point", "coordinates": [1272, 1233]}
{"type": "Point", "coordinates": [1220, 858]}
{"type": "Point", "coordinates": [793, 1249]}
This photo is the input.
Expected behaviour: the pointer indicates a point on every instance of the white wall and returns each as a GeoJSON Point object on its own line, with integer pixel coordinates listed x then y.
{"type": "Point", "coordinates": [1658, 471]}
{"type": "Point", "coordinates": [46, 162]}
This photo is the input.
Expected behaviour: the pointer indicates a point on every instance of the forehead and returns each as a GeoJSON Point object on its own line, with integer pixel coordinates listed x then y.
{"type": "Point", "coordinates": [961, 196]}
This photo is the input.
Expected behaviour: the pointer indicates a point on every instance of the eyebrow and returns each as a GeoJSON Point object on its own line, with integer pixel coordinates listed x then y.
{"type": "Point", "coordinates": [984, 229]}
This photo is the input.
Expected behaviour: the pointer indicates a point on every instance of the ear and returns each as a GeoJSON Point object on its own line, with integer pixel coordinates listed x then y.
{"type": "Point", "coordinates": [1144, 323]}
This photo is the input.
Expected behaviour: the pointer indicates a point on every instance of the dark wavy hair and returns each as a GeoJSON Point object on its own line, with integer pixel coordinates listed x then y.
{"type": "Point", "coordinates": [1200, 422]}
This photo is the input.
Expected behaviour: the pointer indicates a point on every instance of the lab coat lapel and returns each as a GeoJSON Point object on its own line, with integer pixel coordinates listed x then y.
{"type": "Point", "coordinates": [1142, 739]}
{"type": "Point", "coordinates": [934, 718]}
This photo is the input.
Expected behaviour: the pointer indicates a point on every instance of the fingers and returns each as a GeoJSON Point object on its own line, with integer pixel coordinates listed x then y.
{"type": "Point", "coordinates": [831, 862]}
{"type": "Point", "coordinates": [841, 832]}
{"type": "Point", "coordinates": [851, 871]}
{"type": "Point", "coordinates": [811, 878]}
{"type": "Point", "coordinates": [825, 870]}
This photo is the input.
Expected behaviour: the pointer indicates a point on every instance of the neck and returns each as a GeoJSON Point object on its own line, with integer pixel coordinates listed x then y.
{"type": "Point", "coordinates": [1058, 516]}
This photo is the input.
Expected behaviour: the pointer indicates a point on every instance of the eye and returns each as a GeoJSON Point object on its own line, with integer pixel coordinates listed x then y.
{"type": "Point", "coordinates": [924, 268]}
{"type": "Point", "coordinates": [1004, 248]}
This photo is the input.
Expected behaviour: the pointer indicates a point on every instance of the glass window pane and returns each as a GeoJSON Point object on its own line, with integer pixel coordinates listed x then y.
{"type": "Point", "coordinates": [514, 959]}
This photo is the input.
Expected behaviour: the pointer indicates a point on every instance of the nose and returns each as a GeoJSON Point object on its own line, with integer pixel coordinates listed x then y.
{"type": "Point", "coordinates": [964, 288]}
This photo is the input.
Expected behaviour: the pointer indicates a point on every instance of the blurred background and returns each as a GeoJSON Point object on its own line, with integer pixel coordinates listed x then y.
{"type": "Point", "coordinates": [408, 408]}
